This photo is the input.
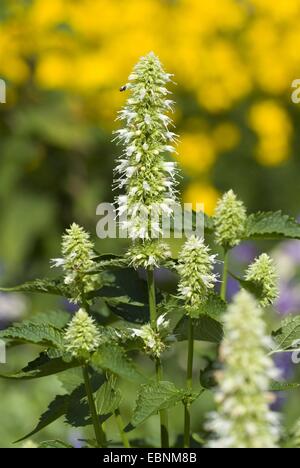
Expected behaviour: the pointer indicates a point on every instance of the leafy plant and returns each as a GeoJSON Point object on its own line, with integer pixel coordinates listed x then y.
{"type": "Point", "coordinates": [92, 356]}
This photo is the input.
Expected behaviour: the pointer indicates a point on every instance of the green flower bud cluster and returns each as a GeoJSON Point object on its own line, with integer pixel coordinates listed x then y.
{"type": "Point", "coordinates": [263, 272]}
{"type": "Point", "coordinates": [82, 336]}
{"type": "Point", "coordinates": [77, 261]}
{"type": "Point", "coordinates": [230, 220]}
{"type": "Point", "coordinates": [196, 272]}
{"type": "Point", "coordinates": [155, 341]}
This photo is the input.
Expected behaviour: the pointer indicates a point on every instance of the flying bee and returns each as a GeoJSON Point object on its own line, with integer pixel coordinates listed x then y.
{"type": "Point", "coordinates": [123, 88]}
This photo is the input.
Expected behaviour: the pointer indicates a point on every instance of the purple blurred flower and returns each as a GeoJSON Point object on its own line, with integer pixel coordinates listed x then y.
{"type": "Point", "coordinates": [232, 287]}
{"type": "Point", "coordinates": [69, 306]}
{"type": "Point", "coordinates": [284, 363]}
{"type": "Point", "coordinates": [292, 249]}
{"type": "Point", "coordinates": [74, 438]}
{"type": "Point", "coordinates": [289, 299]}
{"type": "Point", "coordinates": [245, 252]}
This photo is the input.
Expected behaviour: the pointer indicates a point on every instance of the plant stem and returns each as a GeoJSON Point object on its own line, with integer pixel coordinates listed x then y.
{"type": "Point", "coordinates": [225, 275]}
{"type": "Point", "coordinates": [99, 433]}
{"type": "Point", "coordinates": [120, 425]}
{"type": "Point", "coordinates": [189, 383]}
{"type": "Point", "coordinates": [164, 430]}
{"type": "Point", "coordinates": [152, 298]}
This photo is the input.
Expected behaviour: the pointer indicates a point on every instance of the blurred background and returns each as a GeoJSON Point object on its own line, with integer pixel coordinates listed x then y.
{"type": "Point", "coordinates": [64, 61]}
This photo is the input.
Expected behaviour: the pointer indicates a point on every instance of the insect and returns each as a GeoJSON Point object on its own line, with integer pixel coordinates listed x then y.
{"type": "Point", "coordinates": [123, 88]}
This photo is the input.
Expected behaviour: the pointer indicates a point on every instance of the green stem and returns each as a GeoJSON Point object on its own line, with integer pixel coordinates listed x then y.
{"type": "Point", "coordinates": [225, 275]}
{"type": "Point", "coordinates": [99, 433]}
{"type": "Point", "coordinates": [164, 425]}
{"type": "Point", "coordinates": [120, 425]}
{"type": "Point", "coordinates": [189, 383]}
{"type": "Point", "coordinates": [152, 298]}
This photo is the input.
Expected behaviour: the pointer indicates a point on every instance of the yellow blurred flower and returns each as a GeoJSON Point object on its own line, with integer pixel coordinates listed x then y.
{"type": "Point", "coordinates": [55, 71]}
{"type": "Point", "coordinates": [46, 14]}
{"type": "Point", "coordinates": [272, 125]}
{"type": "Point", "coordinates": [220, 51]}
{"type": "Point", "coordinates": [197, 192]}
{"type": "Point", "coordinates": [196, 152]}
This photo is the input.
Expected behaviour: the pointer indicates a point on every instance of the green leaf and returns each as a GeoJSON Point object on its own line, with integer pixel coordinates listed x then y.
{"type": "Point", "coordinates": [205, 329]}
{"type": "Point", "coordinates": [43, 366]}
{"type": "Point", "coordinates": [45, 286]}
{"type": "Point", "coordinates": [34, 333]}
{"type": "Point", "coordinates": [272, 225]}
{"type": "Point", "coordinates": [283, 386]}
{"type": "Point", "coordinates": [214, 307]}
{"type": "Point", "coordinates": [288, 335]}
{"type": "Point", "coordinates": [71, 379]}
{"type": "Point", "coordinates": [56, 318]}
{"type": "Point", "coordinates": [251, 286]}
{"type": "Point", "coordinates": [128, 297]}
{"type": "Point", "coordinates": [57, 408]}
{"type": "Point", "coordinates": [54, 444]}
{"type": "Point", "coordinates": [73, 406]}
{"type": "Point", "coordinates": [172, 306]}
{"type": "Point", "coordinates": [112, 358]}
{"type": "Point", "coordinates": [109, 261]}
{"type": "Point", "coordinates": [108, 398]}
{"type": "Point", "coordinates": [154, 397]}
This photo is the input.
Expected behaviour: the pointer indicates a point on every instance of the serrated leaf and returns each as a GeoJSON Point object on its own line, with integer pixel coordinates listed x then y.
{"type": "Point", "coordinates": [127, 297]}
{"type": "Point", "coordinates": [154, 397]}
{"type": "Point", "coordinates": [108, 398]}
{"type": "Point", "coordinates": [57, 408]}
{"type": "Point", "coordinates": [34, 333]}
{"type": "Point", "coordinates": [43, 366]}
{"type": "Point", "coordinates": [73, 406]}
{"type": "Point", "coordinates": [272, 225]}
{"type": "Point", "coordinates": [287, 336]}
{"type": "Point", "coordinates": [110, 261]}
{"type": "Point", "coordinates": [54, 444]}
{"type": "Point", "coordinates": [112, 358]}
{"type": "Point", "coordinates": [251, 286]}
{"type": "Point", "coordinates": [205, 329]}
{"type": "Point", "coordinates": [71, 379]}
{"type": "Point", "coordinates": [56, 318]}
{"type": "Point", "coordinates": [45, 286]}
{"type": "Point", "coordinates": [283, 386]}
{"type": "Point", "coordinates": [214, 307]}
